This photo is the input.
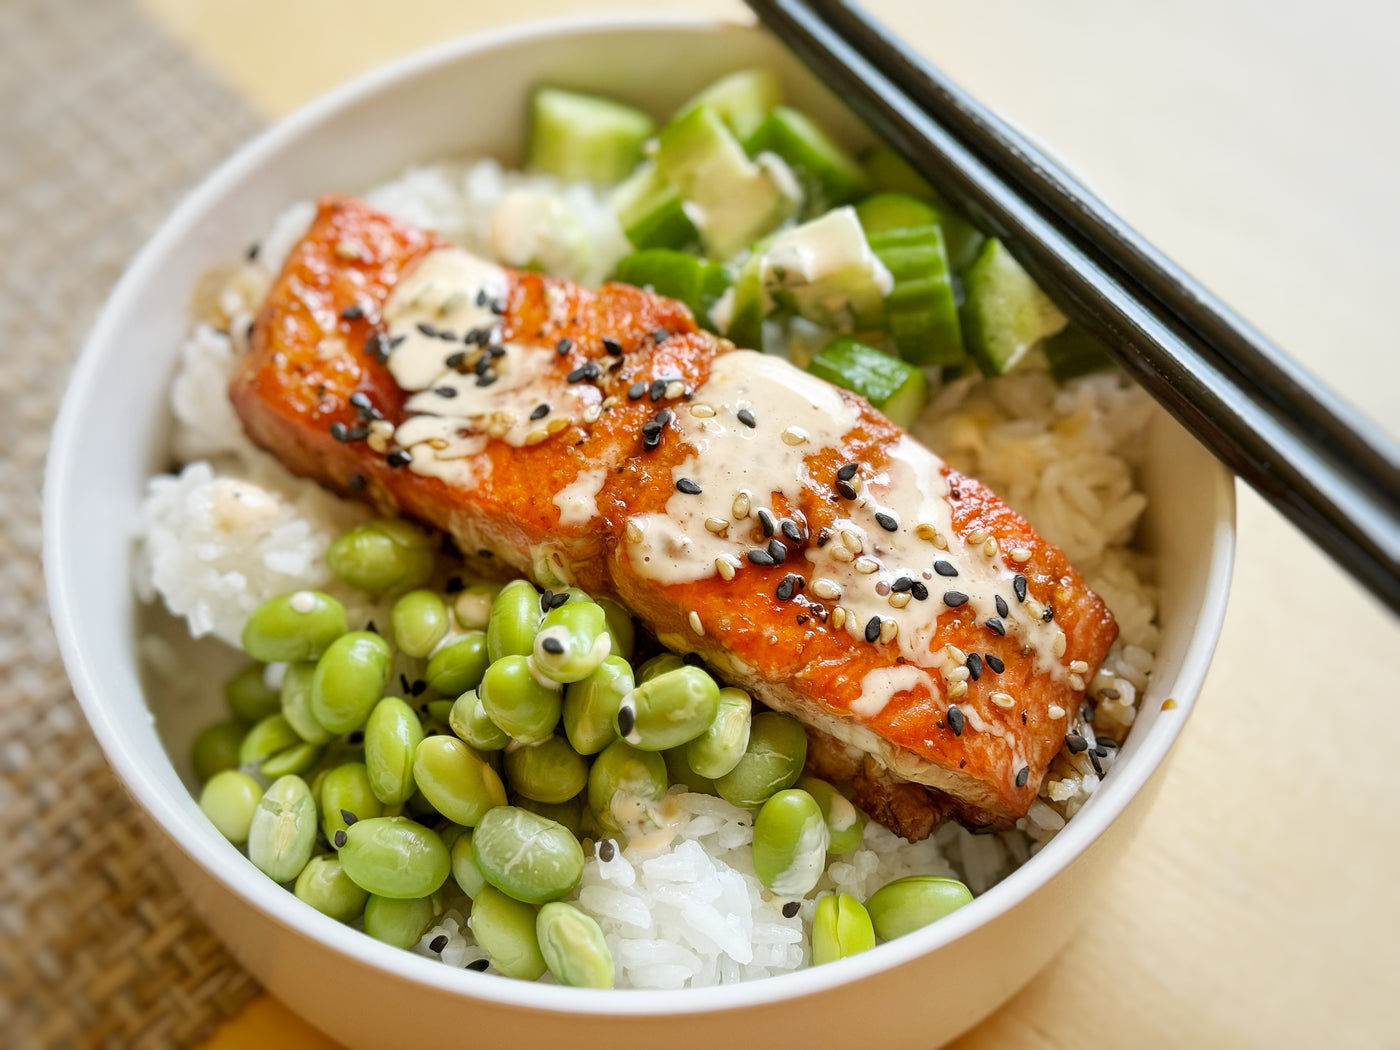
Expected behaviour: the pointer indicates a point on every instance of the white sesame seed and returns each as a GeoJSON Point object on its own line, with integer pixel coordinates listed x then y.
{"type": "Point", "coordinates": [1003, 700]}
{"type": "Point", "coordinates": [497, 430]}
{"type": "Point", "coordinates": [536, 436]}
{"type": "Point", "coordinates": [716, 525]}
{"type": "Point", "coordinates": [556, 424]}
{"type": "Point", "coordinates": [1055, 711]}
{"type": "Point", "coordinates": [852, 541]}
{"type": "Point", "coordinates": [925, 531]}
{"type": "Point", "coordinates": [989, 549]}
{"type": "Point", "coordinates": [741, 505]}
{"type": "Point", "coordinates": [839, 552]}
{"type": "Point", "coordinates": [827, 589]}
{"type": "Point", "coordinates": [674, 389]}
{"type": "Point", "coordinates": [838, 617]}
{"type": "Point", "coordinates": [1020, 554]}
{"type": "Point", "coordinates": [957, 654]}
{"type": "Point", "coordinates": [1058, 645]}
{"type": "Point", "coordinates": [889, 630]}
{"type": "Point", "coordinates": [700, 410]}
{"type": "Point", "coordinates": [794, 436]}
{"type": "Point", "coordinates": [634, 532]}
{"type": "Point", "coordinates": [900, 599]}
{"type": "Point", "coordinates": [958, 674]}
{"type": "Point", "coordinates": [609, 401]}
{"type": "Point", "coordinates": [866, 565]}
{"type": "Point", "coordinates": [941, 542]}
{"type": "Point", "coordinates": [695, 624]}
{"type": "Point", "coordinates": [1076, 682]}
{"type": "Point", "coordinates": [1079, 667]}
{"type": "Point", "coordinates": [591, 413]}
{"type": "Point", "coordinates": [725, 568]}
{"type": "Point", "coordinates": [956, 690]}
{"type": "Point", "coordinates": [1034, 608]}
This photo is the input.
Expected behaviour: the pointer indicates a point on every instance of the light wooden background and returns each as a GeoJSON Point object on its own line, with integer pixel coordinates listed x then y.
{"type": "Point", "coordinates": [1258, 143]}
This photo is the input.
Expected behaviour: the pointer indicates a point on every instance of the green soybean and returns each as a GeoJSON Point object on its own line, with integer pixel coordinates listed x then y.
{"type": "Point", "coordinates": [299, 758]}
{"type": "Point", "coordinates": [283, 830]}
{"type": "Point", "coordinates": [845, 825]}
{"type": "Point", "coordinates": [465, 870]}
{"type": "Point", "coordinates": [505, 929]}
{"type": "Point", "coordinates": [841, 928]}
{"type": "Point", "coordinates": [550, 771]}
{"type": "Point", "coordinates": [621, 629]}
{"type": "Point", "coordinates": [395, 857]}
{"type": "Point", "coordinates": [469, 720]}
{"type": "Point", "coordinates": [459, 665]}
{"type": "Point", "coordinates": [273, 734]}
{"type": "Point", "coordinates": [679, 771]}
{"type": "Point", "coordinates": [392, 736]}
{"type": "Point", "coordinates": [472, 606]}
{"type": "Point", "coordinates": [590, 705]}
{"type": "Point", "coordinates": [296, 626]}
{"type": "Point", "coordinates": [773, 761]}
{"type": "Point", "coordinates": [401, 923]}
{"type": "Point", "coordinates": [229, 800]}
{"type": "Point", "coordinates": [572, 641]}
{"type": "Point", "coordinates": [573, 947]}
{"type": "Point", "coordinates": [216, 749]}
{"type": "Point", "coordinates": [908, 904]}
{"type": "Point", "coordinates": [295, 703]}
{"type": "Point", "coordinates": [346, 789]}
{"type": "Point", "coordinates": [457, 783]}
{"type": "Point", "coordinates": [349, 680]}
{"type": "Point", "coordinates": [569, 812]}
{"type": "Point", "coordinates": [389, 556]}
{"type": "Point", "coordinates": [324, 885]}
{"type": "Point", "coordinates": [515, 617]}
{"type": "Point", "coordinates": [718, 749]}
{"type": "Point", "coordinates": [440, 710]}
{"type": "Point", "coordinates": [668, 710]}
{"type": "Point", "coordinates": [621, 783]}
{"type": "Point", "coordinates": [248, 695]}
{"type": "Point", "coordinates": [527, 710]}
{"type": "Point", "coordinates": [660, 664]}
{"type": "Point", "coordinates": [789, 843]}
{"type": "Point", "coordinates": [527, 856]}
{"type": "Point", "coordinates": [419, 621]}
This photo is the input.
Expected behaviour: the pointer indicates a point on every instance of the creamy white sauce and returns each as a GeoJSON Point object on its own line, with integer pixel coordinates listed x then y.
{"type": "Point", "coordinates": [881, 685]}
{"type": "Point", "coordinates": [808, 861]}
{"type": "Point", "coordinates": [578, 501]}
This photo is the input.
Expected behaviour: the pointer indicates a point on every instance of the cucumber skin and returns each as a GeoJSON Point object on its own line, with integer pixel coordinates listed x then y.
{"type": "Point", "coordinates": [1005, 312]}
{"type": "Point", "coordinates": [829, 175]}
{"type": "Point", "coordinates": [921, 312]}
{"type": "Point", "coordinates": [651, 213]}
{"type": "Point", "coordinates": [603, 148]}
{"type": "Point", "coordinates": [677, 275]}
{"type": "Point", "coordinates": [882, 212]}
{"type": "Point", "coordinates": [897, 389]}
{"type": "Point", "coordinates": [742, 99]}
{"type": "Point", "coordinates": [890, 172]}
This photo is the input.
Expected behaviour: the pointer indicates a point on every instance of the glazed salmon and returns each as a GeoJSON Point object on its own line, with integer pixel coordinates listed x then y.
{"type": "Point", "coordinates": [782, 529]}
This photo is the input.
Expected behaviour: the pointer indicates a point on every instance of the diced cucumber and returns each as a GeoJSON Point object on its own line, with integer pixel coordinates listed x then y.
{"type": "Point", "coordinates": [921, 313]}
{"type": "Point", "coordinates": [748, 305]}
{"type": "Point", "coordinates": [829, 175]}
{"type": "Point", "coordinates": [1073, 352]}
{"type": "Point", "coordinates": [889, 172]}
{"type": "Point", "coordinates": [731, 200]}
{"type": "Point", "coordinates": [897, 389]}
{"type": "Point", "coordinates": [651, 212]}
{"type": "Point", "coordinates": [1005, 312]}
{"type": "Point", "coordinates": [584, 137]}
{"type": "Point", "coordinates": [825, 271]}
{"type": "Point", "coordinates": [741, 99]}
{"type": "Point", "coordinates": [894, 211]}
{"type": "Point", "coordinates": [696, 282]}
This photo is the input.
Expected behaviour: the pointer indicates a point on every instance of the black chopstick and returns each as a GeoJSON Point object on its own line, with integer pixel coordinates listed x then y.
{"type": "Point", "coordinates": [1355, 523]}
{"type": "Point", "coordinates": [1103, 234]}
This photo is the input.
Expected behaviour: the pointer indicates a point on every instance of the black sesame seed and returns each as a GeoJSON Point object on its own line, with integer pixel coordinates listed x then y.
{"type": "Point", "coordinates": [846, 489]}
{"type": "Point", "coordinates": [790, 585]}
{"type": "Point", "coordinates": [403, 681]}
{"type": "Point", "coordinates": [759, 556]}
{"type": "Point", "coordinates": [498, 307]}
{"type": "Point", "coordinates": [887, 521]}
{"type": "Point", "coordinates": [687, 486]}
{"type": "Point", "coordinates": [540, 411]}
{"type": "Point", "coordinates": [587, 370]}
{"type": "Point", "coordinates": [974, 666]}
{"type": "Point", "coordinates": [777, 551]}
{"type": "Point", "coordinates": [945, 568]}
{"type": "Point", "coordinates": [919, 591]}
{"type": "Point", "coordinates": [636, 391]}
{"type": "Point", "coordinates": [1022, 775]}
{"type": "Point", "coordinates": [953, 599]}
{"type": "Point", "coordinates": [746, 417]}
{"type": "Point", "coordinates": [790, 529]}
{"type": "Point", "coordinates": [652, 428]}
{"type": "Point", "coordinates": [340, 431]}
{"type": "Point", "coordinates": [872, 629]}
{"type": "Point", "coordinates": [847, 471]}
{"type": "Point", "coordinates": [357, 483]}
{"type": "Point", "coordinates": [427, 329]}
{"type": "Point", "coordinates": [904, 583]}
{"type": "Point", "coordinates": [1096, 761]}
{"type": "Point", "coordinates": [395, 342]}
{"type": "Point", "coordinates": [419, 687]}
{"type": "Point", "coordinates": [1076, 743]}
{"type": "Point", "coordinates": [1024, 716]}
{"type": "Point", "coordinates": [348, 817]}
{"type": "Point", "coordinates": [340, 839]}
{"type": "Point", "coordinates": [545, 599]}
{"type": "Point", "coordinates": [611, 346]}
{"type": "Point", "coordinates": [660, 335]}
{"type": "Point", "coordinates": [252, 252]}
{"type": "Point", "coordinates": [455, 359]}
{"type": "Point", "coordinates": [563, 347]}
{"type": "Point", "coordinates": [1048, 614]}
{"type": "Point", "coordinates": [454, 585]}
{"type": "Point", "coordinates": [607, 850]}
{"type": "Point", "coordinates": [956, 719]}
{"type": "Point", "coordinates": [361, 400]}
{"type": "Point", "coordinates": [496, 351]}
{"type": "Point", "coordinates": [400, 457]}
{"type": "Point", "coordinates": [996, 626]}
{"type": "Point", "coordinates": [445, 391]}
{"type": "Point", "coordinates": [552, 645]}
{"type": "Point", "coordinates": [482, 366]}
{"type": "Point", "coordinates": [1101, 751]}
{"type": "Point", "coordinates": [658, 388]}
{"type": "Point", "coordinates": [558, 599]}
{"type": "Point", "coordinates": [1018, 584]}
{"type": "Point", "coordinates": [479, 965]}
{"type": "Point", "coordinates": [765, 522]}
{"type": "Point", "coordinates": [481, 297]}
{"type": "Point", "coordinates": [626, 719]}
{"type": "Point", "coordinates": [790, 909]}
{"type": "Point", "coordinates": [994, 662]}
{"type": "Point", "coordinates": [823, 537]}
{"type": "Point", "coordinates": [438, 943]}
{"type": "Point", "coordinates": [651, 441]}
{"type": "Point", "coordinates": [477, 337]}
{"type": "Point", "coordinates": [1104, 741]}
{"type": "Point", "coordinates": [353, 312]}
{"type": "Point", "coordinates": [1002, 608]}
{"type": "Point", "coordinates": [446, 336]}
{"type": "Point", "coordinates": [487, 379]}
{"type": "Point", "coordinates": [357, 433]}
{"type": "Point", "coordinates": [377, 347]}
{"type": "Point", "coordinates": [802, 618]}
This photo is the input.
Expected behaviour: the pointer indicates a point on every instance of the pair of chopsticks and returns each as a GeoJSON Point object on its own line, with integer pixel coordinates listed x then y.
{"type": "Point", "coordinates": [1330, 471]}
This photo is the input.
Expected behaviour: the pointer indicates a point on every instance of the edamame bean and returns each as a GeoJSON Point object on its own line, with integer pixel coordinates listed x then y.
{"type": "Point", "coordinates": [668, 710]}
{"type": "Point", "coordinates": [349, 680]}
{"type": "Point", "coordinates": [273, 734]}
{"type": "Point", "coordinates": [907, 904]}
{"type": "Point", "coordinates": [324, 885]}
{"type": "Point", "coordinates": [517, 702]}
{"type": "Point", "coordinates": [845, 825]}
{"type": "Point", "coordinates": [841, 928]}
{"type": "Point", "coordinates": [470, 721]}
{"type": "Point", "coordinates": [388, 556]}
{"type": "Point", "coordinates": [662, 663]}
{"type": "Point", "coordinates": [678, 771]}
{"type": "Point", "coordinates": [346, 789]}
{"type": "Point", "coordinates": [457, 783]}
{"type": "Point", "coordinates": [515, 617]}
{"type": "Point", "coordinates": [573, 947]}
{"type": "Point", "coordinates": [296, 626]}
{"type": "Point", "coordinates": [590, 705]}
{"type": "Point", "coordinates": [395, 857]}
{"type": "Point", "coordinates": [569, 812]}
{"type": "Point", "coordinates": [401, 923]}
{"type": "Point", "coordinates": [527, 856]}
{"type": "Point", "coordinates": [299, 758]}
{"type": "Point", "coordinates": [789, 843]}
{"type": "Point", "coordinates": [464, 867]}
{"type": "Point", "coordinates": [295, 703]}
{"type": "Point", "coordinates": [216, 749]}
{"type": "Point", "coordinates": [392, 736]}
{"type": "Point", "coordinates": [773, 761]}
{"type": "Point", "coordinates": [419, 622]}
{"type": "Point", "coordinates": [550, 771]}
{"type": "Point", "coordinates": [440, 710]}
{"type": "Point", "coordinates": [571, 642]}
{"type": "Point", "coordinates": [505, 929]}
{"type": "Point", "coordinates": [718, 749]}
{"type": "Point", "coordinates": [621, 629]}
{"type": "Point", "coordinates": [229, 800]}
{"type": "Point", "coordinates": [472, 606]}
{"type": "Point", "coordinates": [248, 695]}
{"type": "Point", "coordinates": [622, 782]}
{"type": "Point", "coordinates": [283, 830]}
{"type": "Point", "coordinates": [459, 665]}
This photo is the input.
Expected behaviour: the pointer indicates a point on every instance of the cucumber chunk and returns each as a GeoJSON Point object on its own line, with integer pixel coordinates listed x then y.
{"type": "Point", "coordinates": [748, 304]}
{"type": "Point", "coordinates": [829, 175]}
{"type": "Point", "coordinates": [741, 99]}
{"type": "Point", "coordinates": [696, 282]}
{"type": "Point", "coordinates": [585, 138]}
{"type": "Point", "coordinates": [825, 271]}
{"type": "Point", "coordinates": [889, 172]}
{"type": "Point", "coordinates": [921, 312]}
{"type": "Point", "coordinates": [1073, 352]}
{"type": "Point", "coordinates": [651, 212]}
{"type": "Point", "coordinates": [1005, 312]}
{"type": "Point", "coordinates": [894, 211]}
{"type": "Point", "coordinates": [897, 389]}
{"type": "Point", "coordinates": [731, 200]}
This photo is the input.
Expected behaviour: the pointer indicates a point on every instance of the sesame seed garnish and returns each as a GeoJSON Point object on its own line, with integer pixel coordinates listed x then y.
{"type": "Point", "coordinates": [377, 346]}
{"type": "Point", "coordinates": [789, 528]}
{"type": "Point", "coordinates": [348, 817]}
{"type": "Point", "coordinates": [1018, 584]}
{"type": "Point", "coordinates": [790, 909]}
{"type": "Point", "coordinates": [400, 457]}
{"type": "Point", "coordinates": [339, 431]}
{"type": "Point", "coordinates": [777, 551]}
{"type": "Point", "coordinates": [587, 370]}
{"type": "Point", "coordinates": [953, 599]}
{"type": "Point", "coordinates": [626, 719]}
{"type": "Point", "coordinates": [846, 489]}
{"type": "Point", "coordinates": [636, 391]}
{"type": "Point", "coordinates": [1048, 614]}
{"type": "Point", "coordinates": [674, 389]}
{"type": "Point", "coordinates": [1022, 775]}
{"type": "Point", "coordinates": [1019, 554]}
{"type": "Point", "coordinates": [611, 346]}
{"type": "Point", "coordinates": [453, 360]}
{"type": "Point", "coordinates": [1055, 711]}
{"type": "Point", "coordinates": [563, 347]}
{"type": "Point", "coordinates": [1076, 682]}
{"type": "Point", "coordinates": [900, 600]}
{"type": "Point", "coordinates": [454, 585]}
{"type": "Point", "coordinates": [994, 662]}
{"type": "Point", "coordinates": [552, 645]}
{"type": "Point", "coordinates": [974, 666]}
{"type": "Point", "coordinates": [872, 629]}
{"type": "Point", "coordinates": [634, 532]}
{"type": "Point", "coordinates": [1079, 667]}
{"type": "Point", "coordinates": [607, 850]}
{"type": "Point", "coordinates": [658, 388]}
{"type": "Point", "coordinates": [944, 568]}
{"type": "Point", "coordinates": [1058, 645]}
{"type": "Point", "coordinates": [438, 943]}
{"type": "Point", "coordinates": [956, 720]}
{"type": "Point", "coordinates": [888, 630]}
{"type": "Point", "coordinates": [716, 525]}
{"type": "Point", "coordinates": [866, 565]}
{"type": "Point", "coordinates": [847, 471]}
{"type": "Point", "coordinates": [887, 521]}
{"type": "Point", "coordinates": [759, 556]}
{"type": "Point", "coordinates": [695, 624]}
{"type": "Point", "coordinates": [1003, 700]}
{"type": "Point", "coordinates": [919, 590]}
{"type": "Point", "coordinates": [1002, 608]}
{"type": "Point", "coordinates": [486, 380]}
{"type": "Point", "coordinates": [353, 312]}
{"type": "Point", "coordinates": [827, 589]}
{"type": "Point", "coordinates": [660, 335]}
{"type": "Point", "coordinates": [766, 522]}
{"type": "Point", "coordinates": [747, 418]}
{"type": "Point", "coordinates": [838, 617]}
{"type": "Point", "coordinates": [445, 391]}
{"type": "Point", "coordinates": [925, 531]}
{"type": "Point", "coordinates": [989, 548]}
{"type": "Point", "coordinates": [976, 536]}
{"type": "Point", "coordinates": [996, 626]}
{"type": "Point", "coordinates": [357, 433]}
{"type": "Point", "coordinates": [741, 505]}
{"type": "Point", "coordinates": [794, 436]}
{"type": "Point", "coordinates": [479, 965]}
{"type": "Point", "coordinates": [957, 689]}
{"type": "Point", "coordinates": [700, 410]}
{"type": "Point", "coordinates": [902, 584]}
{"type": "Point", "coordinates": [540, 411]}
{"type": "Point", "coordinates": [1076, 743]}
{"type": "Point", "coordinates": [789, 585]}
{"type": "Point", "coordinates": [724, 567]}
{"type": "Point", "coordinates": [689, 487]}
{"type": "Point", "coordinates": [340, 838]}
{"type": "Point", "coordinates": [357, 483]}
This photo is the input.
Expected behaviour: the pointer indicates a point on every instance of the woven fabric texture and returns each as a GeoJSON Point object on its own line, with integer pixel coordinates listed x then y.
{"type": "Point", "coordinates": [103, 121]}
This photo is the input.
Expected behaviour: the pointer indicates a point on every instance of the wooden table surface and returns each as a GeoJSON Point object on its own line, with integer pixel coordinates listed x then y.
{"type": "Point", "coordinates": [1257, 143]}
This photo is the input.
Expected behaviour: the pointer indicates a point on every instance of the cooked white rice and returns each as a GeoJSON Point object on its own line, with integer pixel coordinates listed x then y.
{"type": "Point", "coordinates": [234, 528]}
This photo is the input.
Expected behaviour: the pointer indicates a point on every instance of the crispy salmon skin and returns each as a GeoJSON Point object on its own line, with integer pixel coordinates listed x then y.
{"type": "Point", "coordinates": [742, 509]}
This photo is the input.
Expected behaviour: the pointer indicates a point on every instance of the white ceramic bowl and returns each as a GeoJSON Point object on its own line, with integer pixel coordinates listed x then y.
{"type": "Point", "coordinates": [468, 97]}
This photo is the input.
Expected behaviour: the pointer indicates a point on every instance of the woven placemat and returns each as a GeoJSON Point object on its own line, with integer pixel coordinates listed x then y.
{"type": "Point", "coordinates": [103, 121]}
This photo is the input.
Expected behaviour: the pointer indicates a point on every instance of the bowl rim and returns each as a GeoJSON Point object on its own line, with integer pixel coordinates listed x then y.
{"type": "Point", "coordinates": [248, 885]}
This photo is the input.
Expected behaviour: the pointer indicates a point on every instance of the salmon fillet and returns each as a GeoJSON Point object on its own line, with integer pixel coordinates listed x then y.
{"type": "Point", "coordinates": [780, 528]}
